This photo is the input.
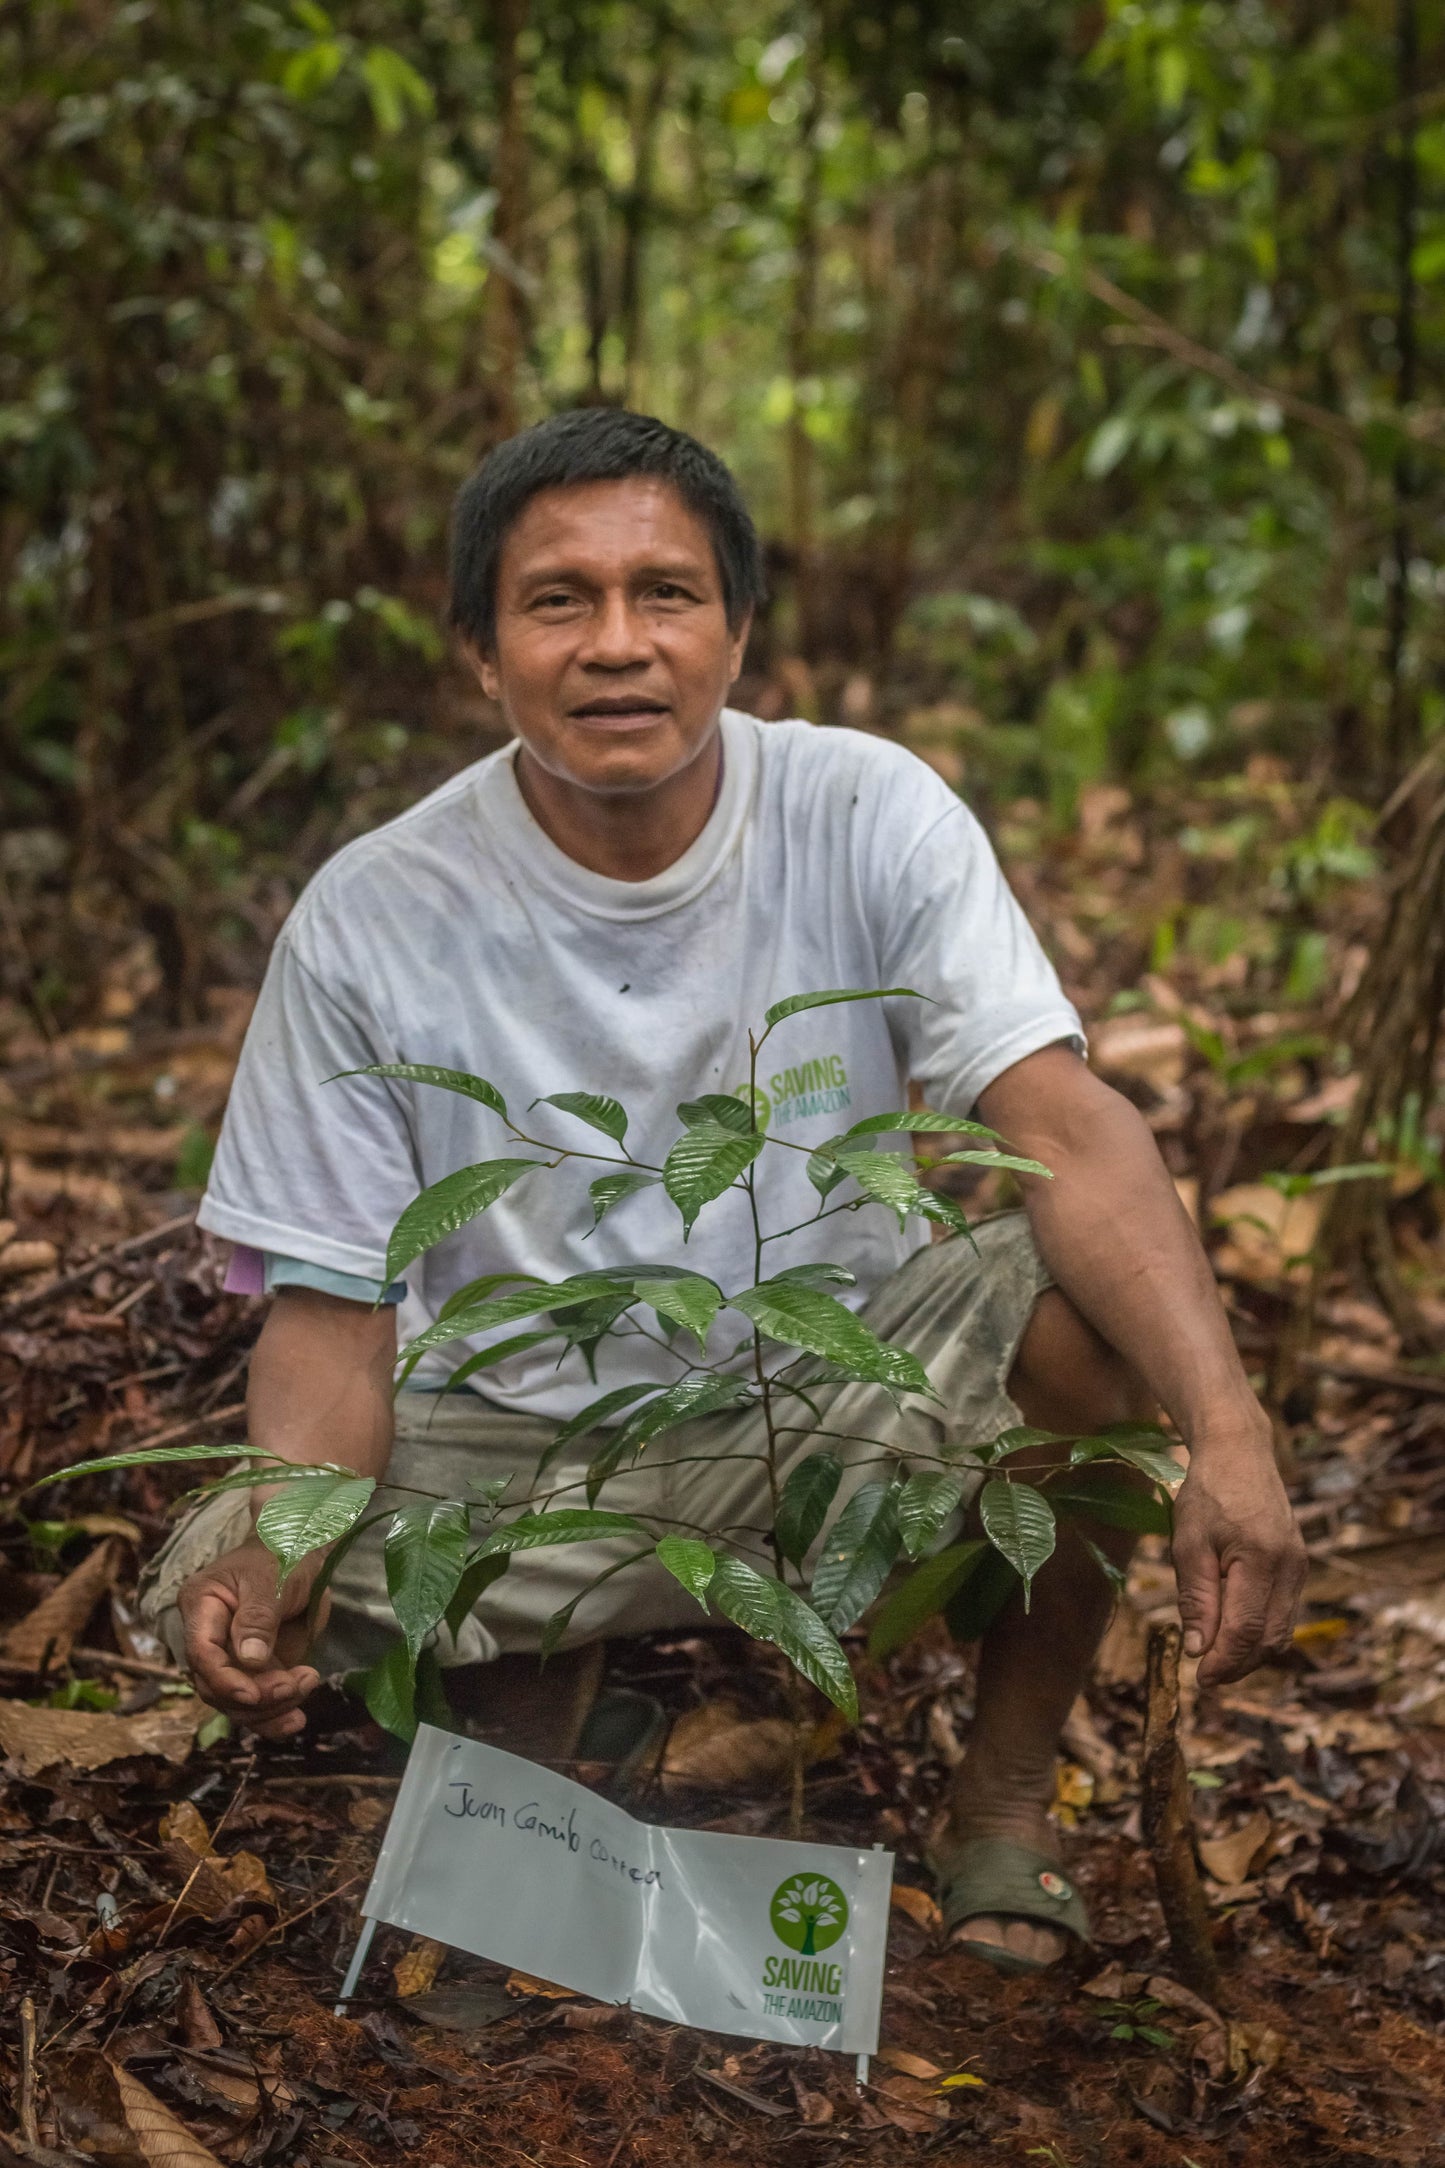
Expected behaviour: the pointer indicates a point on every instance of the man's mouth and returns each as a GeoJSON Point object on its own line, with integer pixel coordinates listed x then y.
{"type": "Point", "coordinates": [619, 710]}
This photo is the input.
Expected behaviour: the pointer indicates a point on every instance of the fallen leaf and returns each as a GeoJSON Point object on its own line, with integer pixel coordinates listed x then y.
{"type": "Point", "coordinates": [958, 2079]}
{"type": "Point", "coordinates": [522, 1983]}
{"type": "Point", "coordinates": [1231, 1857]}
{"type": "Point", "coordinates": [198, 2021]}
{"type": "Point", "coordinates": [47, 1634]}
{"type": "Point", "coordinates": [594, 2017]}
{"type": "Point", "coordinates": [912, 2066]}
{"type": "Point", "coordinates": [36, 1739]}
{"type": "Point", "coordinates": [1153, 1049]}
{"type": "Point", "coordinates": [184, 1824]}
{"type": "Point", "coordinates": [716, 1749]}
{"type": "Point", "coordinates": [918, 1905]}
{"type": "Point", "coordinates": [462, 2009]}
{"type": "Point", "coordinates": [417, 1967]}
{"type": "Point", "coordinates": [1114, 1984]}
{"type": "Point", "coordinates": [1268, 1234]}
{"type": "Point", "coordinates": [163, 2139]}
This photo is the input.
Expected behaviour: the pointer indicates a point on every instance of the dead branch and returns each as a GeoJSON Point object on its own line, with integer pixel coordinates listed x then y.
{"type": "Point", "coordinates": [1168, 1824]}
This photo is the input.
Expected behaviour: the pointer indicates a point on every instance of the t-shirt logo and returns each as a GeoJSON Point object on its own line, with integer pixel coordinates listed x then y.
{"type": "Point", "coordinates": [819, 1086]}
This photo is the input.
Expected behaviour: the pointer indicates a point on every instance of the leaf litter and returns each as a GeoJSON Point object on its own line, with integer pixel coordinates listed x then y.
{"type": "Point", "coordinates": [177, 1906]}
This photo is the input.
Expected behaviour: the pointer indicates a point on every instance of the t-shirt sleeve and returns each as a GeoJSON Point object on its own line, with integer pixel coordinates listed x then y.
{"type": "Point", "coordinates": [956, 932]}
{"type": "Point", "coordinates": [308, 1169]}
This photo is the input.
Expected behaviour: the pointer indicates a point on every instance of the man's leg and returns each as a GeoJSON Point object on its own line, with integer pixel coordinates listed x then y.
{"type": "Point", "coordinates": [1033, 1664]}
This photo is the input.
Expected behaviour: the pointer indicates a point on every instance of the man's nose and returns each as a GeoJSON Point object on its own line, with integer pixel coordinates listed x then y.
{"type": "Point", "coordinates": [616, 635]}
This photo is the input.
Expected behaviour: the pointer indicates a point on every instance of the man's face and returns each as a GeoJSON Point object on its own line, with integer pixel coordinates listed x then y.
{"type": "Point", "coordinates": [612, 656]}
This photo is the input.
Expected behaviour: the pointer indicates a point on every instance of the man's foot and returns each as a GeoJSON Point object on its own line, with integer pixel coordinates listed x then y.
{"type": "Point", "coordinates": [1022, 1944]}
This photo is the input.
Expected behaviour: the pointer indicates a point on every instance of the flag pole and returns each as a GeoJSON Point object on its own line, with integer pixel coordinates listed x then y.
{"type": "Point", "coordinates": [860, 2068]}
{"type": "Point", "coordinates": [353, 1970]}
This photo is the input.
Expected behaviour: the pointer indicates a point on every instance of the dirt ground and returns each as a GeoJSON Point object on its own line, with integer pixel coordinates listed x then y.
{"type": "Point", "coordinates": [176, 1907]}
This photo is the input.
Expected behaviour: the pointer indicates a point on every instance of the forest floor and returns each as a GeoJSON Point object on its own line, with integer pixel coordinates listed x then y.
{"type": "Point", "coordinates": [176, 1908]}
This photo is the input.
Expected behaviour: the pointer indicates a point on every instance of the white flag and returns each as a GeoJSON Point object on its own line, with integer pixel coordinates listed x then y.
{"type": "Point", "coordinates": [750, 1935]}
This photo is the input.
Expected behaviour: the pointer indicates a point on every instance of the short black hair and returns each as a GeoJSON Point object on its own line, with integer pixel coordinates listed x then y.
{"type": "Point", "coordinates": [594, 444]}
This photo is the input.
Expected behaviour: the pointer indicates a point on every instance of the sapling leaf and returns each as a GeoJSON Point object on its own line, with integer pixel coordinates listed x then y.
{"type": "Point", "coordinates": [425, 1551]}
{"type": "Point", "coordinates": [704, 1162]}
{"type": "Point", "coordinates": [980, 1596]}
{"type": "Point", "coordinates": [814, 1276]}
{"type": "Point", "coordinates": [427, 1072]}
{"type": "Point", "coordinates": [824, 1172]}
{"type": "Point", "coordinates": [1114, 1575]}
{"type": "Point", "coordinates": [719, 1107]}
{"type": "Point", "coordinates": [610, 1189]}
{"type": "Point", "coordinates": [143, 1459]}
{"type": "Point", "coordinates": [501, 1351]}
{"type": "Point", "coordinates": [803, 1504]}
{"type": "Point", "coordinates": [1009, 1161]}
{"type": "Point", "coordinates": [1140, 1513]}
{"type": "Point", "coordinates": [389, 1691]}
{"type": "Point", "coordinates": [915, 1121]}
{"type": "Point", "coordinates": [313, 1510]}
{"type": "Point", "coordinates": [693, 1302]}
{"type": "Point", "coordinates": [473, 1292]}
{"type": "Point", "coordinates": [1018, 1440]}
{"type": "Point", "coordinates": [1019, 1522]}
{"type": "Point", "coordinates": [594, 1108]}
{"type": "Point", "coordinates": [925, 1593]}
{"type": "Point", "coordinates": [807, 1318]}
{"type": "Point", "coordinates": [770, 1611]}
{"type": "Point", "coordinates": [933, 1205]}
{"type": "Point", "coordinates": [554, 1632]}
{"type": "Point", "coordinates": [449, 1204]}
{"type": "Point", "coordinates": [477, 1576]}
{"type": "Point", "coordinates": [1141, 1445]}
{"type": "Point", "coordinates": [857, 1555]}
{"type": "Point", "coordinates": [924, 1504]}
{"type": "Point", "coordinates": [334, 1559]}
{"type": "Point", "coordinates": [796, 1003]}
{"type": "Point", "coordinates": [690, 1562]}
{"type": "Point", "coordinates": [565, 1524]}
{"type": "Point", "coordinates": [596, 1412]}
{"type": "Point", "coordinates": [700, 1394]}
{"type": "Point", "coordinates": [526, 1301]}
{"type": "Point", "coordinates": [884, 1177]}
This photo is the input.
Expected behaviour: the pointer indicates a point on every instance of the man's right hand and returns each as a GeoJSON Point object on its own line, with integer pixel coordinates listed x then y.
{"type": "Point", "coordinates": [245, 1643]}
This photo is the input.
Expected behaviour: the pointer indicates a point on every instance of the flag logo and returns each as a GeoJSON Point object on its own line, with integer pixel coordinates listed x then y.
{"type": "Point", "coordinates": [809, 1912]}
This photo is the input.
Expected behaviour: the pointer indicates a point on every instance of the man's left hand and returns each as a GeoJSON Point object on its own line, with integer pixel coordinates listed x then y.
{"type": "Point", "coordinates": [1239, 1557]}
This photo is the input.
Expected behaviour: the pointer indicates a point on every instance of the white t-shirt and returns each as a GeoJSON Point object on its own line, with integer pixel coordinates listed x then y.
{"type": "Point", "coordinates": [460, 934]}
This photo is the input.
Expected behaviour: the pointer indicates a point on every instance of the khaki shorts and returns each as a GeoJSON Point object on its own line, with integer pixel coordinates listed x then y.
{"type": "Point", "coordinates": [961, 1312]}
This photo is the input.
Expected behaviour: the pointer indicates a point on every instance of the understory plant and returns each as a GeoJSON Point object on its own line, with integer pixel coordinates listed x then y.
{"type": "Point", "coordinates": [794, 1336]}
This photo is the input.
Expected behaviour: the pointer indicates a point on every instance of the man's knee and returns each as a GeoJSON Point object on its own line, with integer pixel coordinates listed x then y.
{"type": "Point", "coordinates": [1067, 1377]}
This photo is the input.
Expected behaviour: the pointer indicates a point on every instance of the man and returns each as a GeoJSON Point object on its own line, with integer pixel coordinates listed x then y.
{"type": "Point", "coordinates": [606, 905]}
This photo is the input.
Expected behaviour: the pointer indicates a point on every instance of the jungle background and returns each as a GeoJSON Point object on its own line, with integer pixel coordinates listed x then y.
{"type": "Point", "coordinates": [1083, 364]}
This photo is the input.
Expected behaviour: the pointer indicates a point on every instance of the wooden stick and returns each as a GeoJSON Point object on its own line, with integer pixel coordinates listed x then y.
{"type": "Point", "coordinates": [62, 1284]}
{"type": "Point", "coordinates": [1168, 1824]}
{"type": "Point", "coordinates": [29, 2125]}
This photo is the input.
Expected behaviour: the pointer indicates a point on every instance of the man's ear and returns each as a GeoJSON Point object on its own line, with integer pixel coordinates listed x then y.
{"type": "Point", "coordinates": [483, 669]}
{"type": "Point", "coordinates": [738, 648]}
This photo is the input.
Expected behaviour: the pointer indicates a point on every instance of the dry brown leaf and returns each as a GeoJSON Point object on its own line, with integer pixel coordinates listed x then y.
{"type": "Point", "coordinates": [712, 1748]}
{"type": "Point", "coordinates": [918, 1905]}
{"type": "Point", "coordinates": [198, 2020]}
{"type": "Point", "coordinates": [1230, 1858]}
{"type": "Point", "coordinates": [522, 1983]}
{"type": "Point", "coordinates": [1267, 1234]}
{"type": "Point", "coordinates": [36, 1739]}
{"type": "Point", "coordinates": [163, 2139]}
{"type": "Point", "coordinates": [1152, 1048]}
{"type": "Point", "coordinates": [185, 1824]}
{"type": "Point", "coordinates": [367, 1814]}
{"type": "Point", "coordinates": [912, 2066]}
{"type": "Point", "coordinates": [418, 1965]}
{"type": "Point", "coordinates": [18, 1258]}
{"type": "Point", "coordinates": [50, 1631]}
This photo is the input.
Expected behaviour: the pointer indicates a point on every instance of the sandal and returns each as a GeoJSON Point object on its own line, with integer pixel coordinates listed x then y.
{"type": "Point", "coordinates": [993, 1875]}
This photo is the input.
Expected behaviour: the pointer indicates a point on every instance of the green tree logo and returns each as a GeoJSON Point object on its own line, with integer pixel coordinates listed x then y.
{"type": "Point", "coordinates": [808, 1913]}
{"type": "Point", "coordinates": [762, 1104]}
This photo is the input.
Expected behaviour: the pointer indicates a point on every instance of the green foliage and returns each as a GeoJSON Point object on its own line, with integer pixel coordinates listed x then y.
{"type": "Point", "coordinates": [799, 1339]}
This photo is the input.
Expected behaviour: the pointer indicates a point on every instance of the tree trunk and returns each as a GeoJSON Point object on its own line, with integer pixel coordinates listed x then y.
{"type": "Point", "coordinates": [506, 310]}
{"type": "Point", "coordinates": [1403, 719]}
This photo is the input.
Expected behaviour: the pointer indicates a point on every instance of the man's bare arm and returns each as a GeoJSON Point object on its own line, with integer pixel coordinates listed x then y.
{"type": "Point", "coordinates": [1119, 1243]}
{"type": "Point", "coordinates": [320, 1390]}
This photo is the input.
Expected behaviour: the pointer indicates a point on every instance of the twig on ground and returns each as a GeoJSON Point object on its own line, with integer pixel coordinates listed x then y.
{"type": "Point", "coordinates": [25, 2105]}
{"type": "Point", "coordinates": [281, 1927]}
{"type": "Point", "coordinates": [62, 1284]}
{"type": "Point", "coordinates": [1168, 1824]}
